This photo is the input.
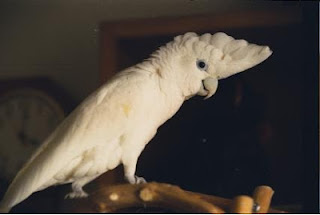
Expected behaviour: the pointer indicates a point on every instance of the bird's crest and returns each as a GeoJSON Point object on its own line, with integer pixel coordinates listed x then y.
{"type": "Point", "coordinates": [228, 56]}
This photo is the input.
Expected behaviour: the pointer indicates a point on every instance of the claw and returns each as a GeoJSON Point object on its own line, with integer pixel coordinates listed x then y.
{"type": "Point", "coordinates": [77, 194]}
{"type": "Point", "coordinates": [136, 180]}
{"type": "Point", "coordinates": [140, 180]}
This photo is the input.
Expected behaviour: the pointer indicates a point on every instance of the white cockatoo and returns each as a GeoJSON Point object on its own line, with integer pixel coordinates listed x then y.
{"type": "Point", "coordinates": [114, 124]}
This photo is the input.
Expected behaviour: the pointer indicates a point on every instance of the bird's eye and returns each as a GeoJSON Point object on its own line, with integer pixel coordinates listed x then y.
{"type": "Point", "coordinates": [202, 65]}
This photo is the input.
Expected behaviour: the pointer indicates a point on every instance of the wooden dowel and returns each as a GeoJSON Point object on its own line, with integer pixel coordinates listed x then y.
{"type": "Point", "coordinates": [175, 198]}
{"type": "Point", "coordinates": [223, 203]}
{"type": "Point", "coordinates": [262, 195]}
{"type": "Point", "coordinates": [242, 205]}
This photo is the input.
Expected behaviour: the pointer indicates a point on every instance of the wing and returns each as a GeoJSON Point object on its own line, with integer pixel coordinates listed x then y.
{"type": "Point", "coordinates": [85, 128]}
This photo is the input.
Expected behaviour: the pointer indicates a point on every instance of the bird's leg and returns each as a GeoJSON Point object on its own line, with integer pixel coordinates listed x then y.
{"type": "Point", "coordinates": [129, 172]}
{"type": "Point", "coordinates": [131, 154]}
{"type": "Point", "coordinates": [77, 191]}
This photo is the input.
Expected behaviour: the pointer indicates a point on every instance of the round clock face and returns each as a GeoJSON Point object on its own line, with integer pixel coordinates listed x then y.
{"type": "Point", "coordinates": [27, 117]}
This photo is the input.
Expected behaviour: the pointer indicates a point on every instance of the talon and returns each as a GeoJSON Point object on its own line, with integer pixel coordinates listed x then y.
{"type": "Point", "coordinates": [136, 180]}
{"type": "Point", "coordinates": [73, 195]}
{"type": "Point", "coordinates": [140, 180]}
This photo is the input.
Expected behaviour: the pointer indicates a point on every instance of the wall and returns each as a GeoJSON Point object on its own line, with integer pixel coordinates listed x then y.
{"type": "Point", "coordinates": [59, 38]}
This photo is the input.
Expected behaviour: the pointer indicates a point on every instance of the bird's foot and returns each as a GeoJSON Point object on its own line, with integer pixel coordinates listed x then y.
{"type": "Point", "coordinates": [76, 194]}
{"type": "Point", "coordinates": [140, 180]}
{"type": "Point", "coordinates": [136, 180]}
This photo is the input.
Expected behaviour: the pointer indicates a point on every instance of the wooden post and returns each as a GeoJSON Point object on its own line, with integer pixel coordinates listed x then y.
{"type": "Point", "coordinates": [262, 196]}
{"type": "Point", "coordinates": [242, 205]}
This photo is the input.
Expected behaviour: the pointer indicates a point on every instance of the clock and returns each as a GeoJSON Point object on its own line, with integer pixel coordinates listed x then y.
{"type": "Point", "coordinates": [27, 117]}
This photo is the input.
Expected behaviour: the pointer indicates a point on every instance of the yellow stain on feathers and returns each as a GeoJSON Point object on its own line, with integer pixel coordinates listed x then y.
{"type": "Point", "coordinates": [126, 109]}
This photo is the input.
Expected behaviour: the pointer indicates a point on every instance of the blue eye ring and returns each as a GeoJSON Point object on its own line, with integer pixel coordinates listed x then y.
{"type": "Point", "coordinates": [202, 65]}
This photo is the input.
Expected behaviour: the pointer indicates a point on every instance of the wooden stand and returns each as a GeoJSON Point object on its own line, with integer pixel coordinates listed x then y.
{"type": "Point", "coordinates": [114, 198]}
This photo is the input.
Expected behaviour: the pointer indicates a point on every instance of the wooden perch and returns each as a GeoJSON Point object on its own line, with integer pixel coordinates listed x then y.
{"type": "Point", "coordinates": [118, 197]}
{"type": "Point", "coordinates": [114, 198]}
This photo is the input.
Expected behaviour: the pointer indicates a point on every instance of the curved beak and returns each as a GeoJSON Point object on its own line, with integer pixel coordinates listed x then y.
{"type": "Point", "coordinates": [209, 87]}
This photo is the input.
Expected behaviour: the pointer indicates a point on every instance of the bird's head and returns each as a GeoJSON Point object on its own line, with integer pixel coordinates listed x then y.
{"type": "Point", "coordinates": [196, 63]}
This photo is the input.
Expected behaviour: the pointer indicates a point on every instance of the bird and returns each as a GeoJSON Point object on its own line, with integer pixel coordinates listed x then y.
{"type": "Point", "coordinates": [113, 124]}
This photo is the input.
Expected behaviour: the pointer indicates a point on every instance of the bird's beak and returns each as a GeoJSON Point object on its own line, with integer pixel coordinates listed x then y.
{"type": "Point", "coordinates": [209, 87]}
